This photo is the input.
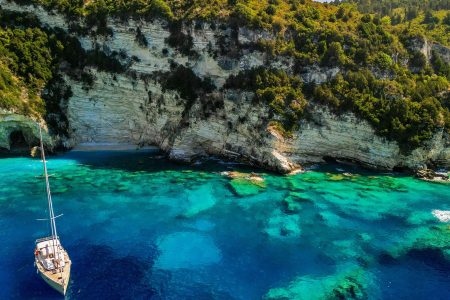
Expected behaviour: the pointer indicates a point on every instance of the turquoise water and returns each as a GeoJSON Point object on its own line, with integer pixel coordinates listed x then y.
{"type": "Point", "coordinates": [139, 227]}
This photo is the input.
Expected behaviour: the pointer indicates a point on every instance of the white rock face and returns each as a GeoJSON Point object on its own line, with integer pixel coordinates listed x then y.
{"type": "Point", "coordinates": [118, 110]}
{"type": "Point", "coordinates": [125, 109]}
{"type": "Point", "coordinates": [427, 48]}
{"type": "Point", "coordinates": [319, 76]}
{"type": "Point", "coordinates": [52, 20]}
{"type": "Point", "coordinates": [347, 137]}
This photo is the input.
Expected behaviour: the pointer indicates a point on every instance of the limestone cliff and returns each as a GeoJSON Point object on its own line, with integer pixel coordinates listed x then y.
{"type": "Point", "coordinates": [134, 108]}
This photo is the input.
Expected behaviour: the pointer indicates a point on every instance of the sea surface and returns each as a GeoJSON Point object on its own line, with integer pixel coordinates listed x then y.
{"type": "Point", "coordinates": [137, 226]}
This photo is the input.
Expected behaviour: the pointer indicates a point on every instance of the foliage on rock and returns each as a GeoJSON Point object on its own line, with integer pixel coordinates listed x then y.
{"type": "Point", "coordinates": [283, 93]}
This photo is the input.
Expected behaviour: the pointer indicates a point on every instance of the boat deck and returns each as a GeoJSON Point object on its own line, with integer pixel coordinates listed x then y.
{"type": "Point", "coordinates": [55, 278]}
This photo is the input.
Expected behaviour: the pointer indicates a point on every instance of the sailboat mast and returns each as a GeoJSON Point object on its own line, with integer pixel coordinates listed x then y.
{"type": "Point", "coordinates": [47, 185]}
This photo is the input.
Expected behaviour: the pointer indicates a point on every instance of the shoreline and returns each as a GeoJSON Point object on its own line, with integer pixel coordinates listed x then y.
{"type": "Point", "coordinates": [91, 147]}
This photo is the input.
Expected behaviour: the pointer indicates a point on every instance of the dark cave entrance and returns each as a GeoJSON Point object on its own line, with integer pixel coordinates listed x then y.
{"type": "Point", "coordinates": [17, 142]}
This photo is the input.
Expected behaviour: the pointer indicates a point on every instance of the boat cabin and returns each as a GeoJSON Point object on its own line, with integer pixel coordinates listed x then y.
{"type": "Point", "coordinates": [50, 253]}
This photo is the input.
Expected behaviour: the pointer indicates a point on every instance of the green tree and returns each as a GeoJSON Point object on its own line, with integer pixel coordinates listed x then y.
{"type": "Point", "coordinates": [334, 55]}
{"type": "Point", "coordinates": [418, 60]}
{"type": "Point", "coordinates": [446, 19]}
{"type": "Point", "coordinates": [430, 18]}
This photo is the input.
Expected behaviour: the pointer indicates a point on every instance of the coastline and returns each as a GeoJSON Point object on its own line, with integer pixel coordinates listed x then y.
{"type": "Point", "coordinates": [88, 147]}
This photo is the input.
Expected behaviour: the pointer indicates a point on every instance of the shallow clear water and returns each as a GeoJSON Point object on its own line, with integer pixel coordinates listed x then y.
{"type": "Point", "coordinates": [137, 226]}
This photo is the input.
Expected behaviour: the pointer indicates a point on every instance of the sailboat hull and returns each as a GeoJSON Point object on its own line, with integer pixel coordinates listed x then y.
{"type": "Point", "coordinates": [57, 280]}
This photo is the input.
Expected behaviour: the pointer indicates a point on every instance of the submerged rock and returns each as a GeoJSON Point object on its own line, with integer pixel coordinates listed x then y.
{"type": "Point", "coordinates": [336, 177]}
{"type": "Point", "coordinates": [313, 177]}
{"type": "Point", "coordinates": [123, 186]}
{"type": "Point", "coordinates": [243, 187]}
{"type": "Point", "coordinates": [351, 283]}
{"type": "Point", "coordinates": [281, 225]}
{"type": "Point", "coordinates": [366, 204]}
{"type": "Point", "coordinates": [244, 184]}
{"type": "Point", "coordinates": [292, 202]}
{"type": "Point", "coordinates": [330, 219]}
{"type": "Point", "coordinates": [435, 237]}
{"type": "Point", "coordinates": [296, 171]}
{"type": "Point", "coordinates": [365, 237]}
{"type": "Point", "coordinates": [346, 250]}
{"type": "Point", "coordinates": [290, 205]}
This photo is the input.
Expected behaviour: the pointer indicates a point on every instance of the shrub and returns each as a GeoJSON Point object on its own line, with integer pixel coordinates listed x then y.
{"type": "Point", "coordinates": [430, 18]}
{"type": "Point", "coordinates": [244, 15]}
{"type": "Point", "coordinates": [140, 38]}
{"type": "Point", "coordinates": [179, 40]}
{"type": "Point", "coordinates": [383, 61]}
{"type": "Point", "coordinates": [334, 56]}
{"type": "Point", "coordinates": [418, 60]}
{"type": "Point", "coordinates": [10, 90]}
{"type": "Point", "coordinates": [185, 82]}
{"type": "Point", "coordinates": [440, 66]}
{"type": "Point", "coordinates": [446, 19]}
{"type": "Point", "coordinates": [159, 8]}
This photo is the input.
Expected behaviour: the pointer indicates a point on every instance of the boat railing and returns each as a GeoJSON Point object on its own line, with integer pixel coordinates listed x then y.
{"type": "Point", "coordinates": [48, 238]}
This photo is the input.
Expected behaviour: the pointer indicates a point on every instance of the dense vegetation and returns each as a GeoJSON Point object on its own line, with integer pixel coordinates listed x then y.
{"type": "Point", "coordinates": [30, 82]}
{"type": "Point", "coordinates": [384, 77]}
{"type": "Point", "coordinates": [389, 7]}
{"type": "Point", "coordinates": [427, 17]}
{"type": "Point", "coordinates": [26, 64]}
{"type": "Point", "coordinates": [283, 94]}
{"type": "Point", "coordinates": [406, 109]}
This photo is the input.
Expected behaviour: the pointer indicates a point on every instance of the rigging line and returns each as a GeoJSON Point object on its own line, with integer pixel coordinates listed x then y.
{"type": "Point", "coordinates": [48, 219]}
{"type": "Point", "coordinates": [49, 198]}
{"type": "Point", "coordinates": [55, 237]}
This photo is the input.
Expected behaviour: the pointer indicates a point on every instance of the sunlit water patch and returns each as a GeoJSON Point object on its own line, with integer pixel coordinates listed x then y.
{"type": "Point", "coordinates": [137, 226]}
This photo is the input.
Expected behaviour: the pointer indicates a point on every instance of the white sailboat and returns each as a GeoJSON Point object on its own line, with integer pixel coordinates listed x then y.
{"type": "Point", "coordinates": [51, 259]}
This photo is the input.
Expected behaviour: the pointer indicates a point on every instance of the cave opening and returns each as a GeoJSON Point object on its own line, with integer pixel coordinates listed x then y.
{"type": "Point", "coordinates": [330, 159]}
{"type": "Point", "coordinates": [400, 169]}
{"type": "Point", "coordinates": [17, 141]}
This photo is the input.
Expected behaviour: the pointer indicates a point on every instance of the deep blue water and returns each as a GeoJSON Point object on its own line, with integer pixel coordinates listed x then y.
{"type": "Point", "coordinates": [139, 227]}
